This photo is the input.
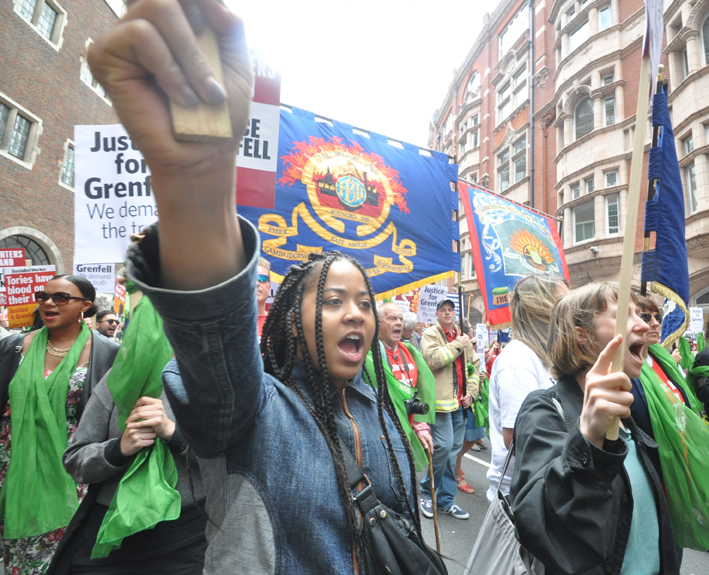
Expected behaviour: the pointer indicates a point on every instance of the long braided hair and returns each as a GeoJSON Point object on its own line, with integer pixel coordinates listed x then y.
{"type": "Point", "coordinates": [279, 346]}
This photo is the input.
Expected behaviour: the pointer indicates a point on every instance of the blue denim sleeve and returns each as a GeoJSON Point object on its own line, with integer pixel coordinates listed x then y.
{"type": "Point", "coordinates": [215, 384]}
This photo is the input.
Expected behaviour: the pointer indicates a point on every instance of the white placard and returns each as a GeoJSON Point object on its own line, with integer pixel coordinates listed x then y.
{"type": "Point", "coordinates": [112, 194]}
{"type": "Point", "coordinates": [428, 302]}
{"type": "Point", "coordinates": [102, 276]}
{"type": "Point", "coordinates": [481, 338]}
{"type": "Point", "coordinates": [404, 304]}
{"type": "Point", "coordinates": [696, 320]}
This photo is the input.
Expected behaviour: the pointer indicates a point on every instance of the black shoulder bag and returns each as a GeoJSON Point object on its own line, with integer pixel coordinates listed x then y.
{"type": "Point", "coordinates": [391, 544]}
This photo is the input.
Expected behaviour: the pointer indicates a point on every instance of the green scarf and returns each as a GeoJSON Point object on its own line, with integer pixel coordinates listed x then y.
{"type": "Point", "coordinates": [683, 441]}
{"type": "Point", "coordinates": [146, 494]}
{"type": "Point", "coordinates": [685, 352]}
{"type": "Point", "coordinates": [38, 495]}
{"type": "Point", "coordinates": [669, 366]}
{"type": "Point", "coordinates": [700, 342]}
{"type": "Point", "coordinates": [399, 392]}
{"type": "Point", "coordinates": [482, 416]}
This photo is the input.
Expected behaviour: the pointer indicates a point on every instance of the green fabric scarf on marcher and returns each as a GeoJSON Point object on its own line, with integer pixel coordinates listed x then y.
{"type": "Point", "coordinates": [146, 494]}
{"type": "Point", "coordinates": [683, 441]}
{"type": "Point", "coordinates": [480, 406]}
{"type": "Point", "coordinates": [400, 392]}
{"type": "Point", "coordinates": [38, 495]}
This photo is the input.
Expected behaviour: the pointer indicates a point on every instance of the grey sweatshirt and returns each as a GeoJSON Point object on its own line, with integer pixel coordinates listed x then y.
{"type": "Point", "coordinates": [94, 454]}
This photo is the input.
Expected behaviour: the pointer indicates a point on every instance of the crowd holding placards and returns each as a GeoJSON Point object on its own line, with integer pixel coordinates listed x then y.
{"type": "Point", "coordinates": [223, 438]}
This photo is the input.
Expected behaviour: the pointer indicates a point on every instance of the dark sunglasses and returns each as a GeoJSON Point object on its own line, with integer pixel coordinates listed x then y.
{"type": "Point", "coordinates": [111, 321]}
{"type": "Point", "coordinates": [647, 317]}
{"type": "Point", "coordinates": [59, 298]}
{"type": "Point", "coordinates": [263, 278]}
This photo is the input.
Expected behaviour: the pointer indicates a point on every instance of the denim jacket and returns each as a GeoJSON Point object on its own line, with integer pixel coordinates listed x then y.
{"type": "Point", "coordinates": [272, 491]}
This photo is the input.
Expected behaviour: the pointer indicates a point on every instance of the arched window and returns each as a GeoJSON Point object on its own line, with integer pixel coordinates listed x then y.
{"type": "Point", "coordinates": [33, 251]}
{"type": "Point", "coordinates": [705, 39]}
{"type": "Point", "coordinates": [474, 83]}
{"type": "Point", "coordinates": [583, 117]}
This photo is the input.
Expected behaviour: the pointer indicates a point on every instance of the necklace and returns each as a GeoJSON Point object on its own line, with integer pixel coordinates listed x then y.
{"type": "Point", "coordinates": [55, 351]}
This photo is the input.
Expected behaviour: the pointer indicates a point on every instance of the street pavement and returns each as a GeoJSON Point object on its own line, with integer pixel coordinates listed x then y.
{"type": "Point", "coordinates": [458, 536]}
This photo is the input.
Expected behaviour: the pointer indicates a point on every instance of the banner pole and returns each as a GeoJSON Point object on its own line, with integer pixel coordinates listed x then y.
{"type": "Point", "coordinates": [631, 225]}
{"type": "Point", "coordinates": [661, 81]}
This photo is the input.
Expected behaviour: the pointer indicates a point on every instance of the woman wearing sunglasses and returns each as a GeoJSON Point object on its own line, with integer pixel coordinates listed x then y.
{"type": "Point", "coordinates": [46, 378]}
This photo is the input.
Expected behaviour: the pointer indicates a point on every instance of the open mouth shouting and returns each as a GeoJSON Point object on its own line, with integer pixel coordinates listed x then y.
{"type": "Point", "coordinates": [635, 351]}
{"type": "Point", "coordinates": [351, 347]}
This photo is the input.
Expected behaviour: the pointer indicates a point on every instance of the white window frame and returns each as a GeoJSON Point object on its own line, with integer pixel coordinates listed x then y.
{"type": "Point", "coordinates": [513, 30]}
{"type": "Point", "coordinates": [519, 87]}
{"type": "Point", "coordinates": [461, 148]}
{"type": "Point", "coordinates": [473, 83]}
{"type": "Point", "coordinates": [584, 222]}
{"type": "Point", "coordinates": [606, 177]}
{"type": "Point", "coordinates": [589, 185]}
{"type": "Point", "coordinates": [517, 156]}
{"type": "Point", "coordinates": [504, 102]}
{"type": "Point", "coordinates": [574, 44]}
{"type": "Point", "coordinates": [688, 145]}
{"type": "Point", "coordinates": [57, 37]}
{"type": "Point", "coordinates": [476, 139]}
{"type": "Point", "coordinates": [684, 62]}
{"type": "Point", "coordinates": [503, 166]}
{"type": "Point", "coordinates": [690, 176]}
{"type": "Point", "coordinates": [30, 154]}
{"type": "Point", "coordinates": [704, 29]}
{"type": "Point", "coordinates": [87, 77]}
{"type": "Point", "coordinates": [606, 117]}
{"type": "Point", "coordinates": [68, 145]}
{"type": "Point", "coordinates": [608, 200]}
{"type": "Point", "coordinates": [575, 191]}
{"type": "Point", "coordinates": [600, 17]}
{"type": "Point", "coordinates": [576, 107]}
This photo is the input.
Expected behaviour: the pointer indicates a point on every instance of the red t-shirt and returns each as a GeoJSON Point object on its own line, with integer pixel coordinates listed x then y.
{"type": "Point", "coordinates": [666, 380]}
{"type": "Point", "coordinates": [402, 364]}
{"type": "Point", "coordinates": [261, 321]}
{"type": "Point", "coordinates": [401, 361]}
{"type": "Point", "coordinates": [459, 366]}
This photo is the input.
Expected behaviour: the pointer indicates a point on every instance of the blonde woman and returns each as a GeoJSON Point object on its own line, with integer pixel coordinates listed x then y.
{"type": "Point", "coordinates": [583, 503]}
{"type": "Point", "coordinates": [521, 367]}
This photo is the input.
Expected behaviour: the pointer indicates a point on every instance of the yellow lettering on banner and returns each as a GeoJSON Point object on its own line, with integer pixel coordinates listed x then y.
{"type": "Point", "coordinates": [276, 225]}
{"type": "Point", "coordinates": [20, 315]}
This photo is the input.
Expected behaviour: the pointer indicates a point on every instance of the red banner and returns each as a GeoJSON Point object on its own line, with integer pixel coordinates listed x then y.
{"type": "Point", "coordinates": [21, 283]}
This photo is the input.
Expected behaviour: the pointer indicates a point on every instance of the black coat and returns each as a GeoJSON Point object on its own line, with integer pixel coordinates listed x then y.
{"type": "Point", "coordinates": [572, 501]}
{"type": "Point", "coordinates": [103, 352]}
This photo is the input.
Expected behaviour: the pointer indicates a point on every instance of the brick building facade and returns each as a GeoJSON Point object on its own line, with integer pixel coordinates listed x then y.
{"type": "Point", "coordinates": [45, 89]}
{"type": "Point", "coordinates": [580, 117]}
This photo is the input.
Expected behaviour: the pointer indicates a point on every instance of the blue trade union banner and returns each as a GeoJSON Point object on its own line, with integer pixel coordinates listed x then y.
{"type": "Point", "coordinates": [389, 207]}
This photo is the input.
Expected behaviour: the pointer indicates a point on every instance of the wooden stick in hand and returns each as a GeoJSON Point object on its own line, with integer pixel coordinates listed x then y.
{"type": "Point", "coordinates": [204, 123]}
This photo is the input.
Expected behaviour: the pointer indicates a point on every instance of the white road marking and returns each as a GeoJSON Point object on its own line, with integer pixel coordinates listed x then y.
{"type": "Point", "coordinates": [476, 460]}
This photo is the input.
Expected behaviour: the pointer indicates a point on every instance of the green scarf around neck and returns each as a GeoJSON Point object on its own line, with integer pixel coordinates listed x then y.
{"type": "Point", "coordinates": [38, 495]}
{"type": "Point", "coordinates": [146, 494]}
{"type": "Point", "coordinates": [399, 392]}
{"type": "Point", "coordinates": [670, 367]}
{"type": "Point", "coordinates": [683, 441]}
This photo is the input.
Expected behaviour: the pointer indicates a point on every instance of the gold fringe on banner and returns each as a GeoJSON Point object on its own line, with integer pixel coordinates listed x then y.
{"type": "Point", "coordinates": [667, 293]}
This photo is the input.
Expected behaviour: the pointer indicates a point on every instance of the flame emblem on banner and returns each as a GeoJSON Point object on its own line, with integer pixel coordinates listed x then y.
{"type": "Point", "coordinates": [345, 184]}
{"type": "Point", "coordinates": [532, 249]}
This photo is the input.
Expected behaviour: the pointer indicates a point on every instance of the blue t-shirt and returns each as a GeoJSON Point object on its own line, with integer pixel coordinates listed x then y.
{"type": "Point", "coordinates": [642, 555]}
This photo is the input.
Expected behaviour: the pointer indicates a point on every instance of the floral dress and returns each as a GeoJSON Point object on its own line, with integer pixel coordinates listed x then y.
{"type": "Point", "coordinates": [32, 555]}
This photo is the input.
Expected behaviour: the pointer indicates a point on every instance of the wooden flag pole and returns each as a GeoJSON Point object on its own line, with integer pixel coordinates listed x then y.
{"type": "Point", "coordinates": [631, 224]}
{"type": "Point", "coordinates": [204, 123]}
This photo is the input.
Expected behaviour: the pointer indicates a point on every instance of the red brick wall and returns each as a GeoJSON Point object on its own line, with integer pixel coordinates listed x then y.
{"type": "Point", "coordinates": [46, 83]}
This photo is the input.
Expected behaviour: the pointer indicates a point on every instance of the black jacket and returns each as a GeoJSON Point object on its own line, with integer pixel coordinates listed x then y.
{"type": "Point", "coordinates": [701, 384]}
{"type": "Point", "coordinates": [103, 352]}
{"type": "Point", "coordinates": [572, 501]}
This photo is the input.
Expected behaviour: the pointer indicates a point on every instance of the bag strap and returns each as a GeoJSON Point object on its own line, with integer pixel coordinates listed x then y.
{"type": "Point", "coordinates": [366, 499]}
{"type": "Point", "coordinates": [511, 450]}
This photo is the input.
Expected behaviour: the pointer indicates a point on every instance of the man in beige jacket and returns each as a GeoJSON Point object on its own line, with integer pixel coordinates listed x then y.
{"type": "Point", "coordinates": [447, 352]}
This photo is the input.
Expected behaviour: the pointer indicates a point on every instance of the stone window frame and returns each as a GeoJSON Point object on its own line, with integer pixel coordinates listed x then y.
{"type": "Point", "coordinates": [87, 77]}
{"type": "Point", "coordinates": [687, 142]}
{"type": "Point", "coordinates": [704, 32]}
{"type": "Point", "coordinates": [610, 13]}
{"type": "Point", "coordinates": [575, 190]}
{"type": "Point", "coordinates": [576, 107]}
{"type": "Point", "coordinates": [606, 115]}
{"type": "Point", "coordinates": [592, 202]}
{"type": "Point", "coordinates": [57, 38]}
{"type": "Point", "coordinates": [590, 180]}
{"type": "Point", "coordinates": [606, 173]}
{"type": "Point", "coordinates": [691, 199]}
{"type": "Point", "coordinates": [606, 206]}
{"type": "Point", "coordinates": [69, 144]}
{"type": "Point", "coordinates": [36, 127]}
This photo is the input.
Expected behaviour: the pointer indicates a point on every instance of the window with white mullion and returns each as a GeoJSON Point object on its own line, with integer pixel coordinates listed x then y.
{"type": "Point", "coordinates": [68, 167]}
{"type": "Point", "coordinates": [26, 8]}
{"type": "Point", "coordinates": [20, 135]}
{"type": "Point", "coordinates": [691, 187]}
{"type": "Point", "coordinates": [584, 222]}
{"type": "Point", "coordinates": [575, 191]}
{"type": "Point", "coordinates": [612, 214]}
{"type": "Point", "coordinates": [47, 21]}
{"type": "Point", "coordinates": [609, 105]}
{"type": "Point", "coordinates": [519, 160]}
{"type": "Point", "coordinates": [503, 163]}
{"type": "Point", "coordinates": [4, 115]}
